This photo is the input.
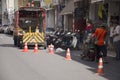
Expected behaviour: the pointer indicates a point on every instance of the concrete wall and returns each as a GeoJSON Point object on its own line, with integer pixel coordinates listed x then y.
{"type": "Point", "coordinates": [16, 5]}
{"type": "Point", "coordinates": [50, 18]}
{"type": "Point", "coordinates": [10, 8]}
{"type": "Point", "coordinates": [93, 12]}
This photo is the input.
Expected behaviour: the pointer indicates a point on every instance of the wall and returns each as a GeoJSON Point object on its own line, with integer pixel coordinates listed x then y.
{"type": "Point", "coordinates": [10, 9]}
{"type": "Point", "coordinates": [16, 5]}
{"type": "Point", "coordinates": [50, 18]}
{"type": "Point", "coordinates": [93, 13]}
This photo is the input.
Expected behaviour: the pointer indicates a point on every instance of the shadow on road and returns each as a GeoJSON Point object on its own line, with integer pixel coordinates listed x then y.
{"type": "Point", "coordinates": [7, 45]}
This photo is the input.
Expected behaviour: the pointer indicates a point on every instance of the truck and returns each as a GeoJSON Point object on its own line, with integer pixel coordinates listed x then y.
{"type": "Point", "coordinates": [30, 27]}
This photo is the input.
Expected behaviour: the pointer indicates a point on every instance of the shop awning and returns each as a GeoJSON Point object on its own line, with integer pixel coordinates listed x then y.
{"type": "Point", "coordinates": [93, 1]}
{"type": "Point", "coordinates": [69, 8]}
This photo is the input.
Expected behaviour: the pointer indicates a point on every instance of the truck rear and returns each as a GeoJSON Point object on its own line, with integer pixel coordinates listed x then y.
{"type": "Point", "coordinates": [30, 27]}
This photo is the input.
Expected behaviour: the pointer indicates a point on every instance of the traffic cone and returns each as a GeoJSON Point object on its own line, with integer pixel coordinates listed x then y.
{"type": "Point", "coordinates": [68, 56]}
{"type": "Point", "coordinates": [100, 70]}
{"type": "Point", "coordinates": [25, 48]}
{"type": "Point", "coordinates": [32, 3]}
{"type": "Point", "coordinates": [51, 49]}
{"type": "Point", "coordinates": [36, 48]}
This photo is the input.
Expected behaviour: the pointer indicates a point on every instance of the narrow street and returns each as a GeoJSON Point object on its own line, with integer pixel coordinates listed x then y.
{"type": "Point", "coordinates": [18, 65]}
{"type": "Point", "coordinates": [76, 24]}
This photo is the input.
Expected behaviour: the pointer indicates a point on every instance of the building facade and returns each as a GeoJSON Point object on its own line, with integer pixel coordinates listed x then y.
{"type": "Point", "coordinates": [104, 11]}
{"type": "Point", "coordinates": [69, 15]}
{"type": "Point", "coordinates": [7, 11]}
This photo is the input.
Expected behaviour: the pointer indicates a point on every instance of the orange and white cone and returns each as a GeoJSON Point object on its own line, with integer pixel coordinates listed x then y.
{"type": "Point", "coordinates": [100, 70]}
{"type": "Point", "coordinates": [32, 3]}
{"type": "Point", "coordinates": [25, 48]}
{"type": "Point", "coordinates": [51, 49]}
{"type": "Point", "coordinates": [68, 56]}
{"type": "Point", "coordinates": [36, 48]}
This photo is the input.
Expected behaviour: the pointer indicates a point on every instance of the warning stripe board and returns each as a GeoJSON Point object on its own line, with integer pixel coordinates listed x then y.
{"type": "Point", "coordinates": [33, 37]}
{"type": "Point", "coordinates": [26, 37]}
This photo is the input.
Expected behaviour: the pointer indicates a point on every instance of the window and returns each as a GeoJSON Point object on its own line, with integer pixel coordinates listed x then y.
{"type": "Point", "coordinates": [30, 14]}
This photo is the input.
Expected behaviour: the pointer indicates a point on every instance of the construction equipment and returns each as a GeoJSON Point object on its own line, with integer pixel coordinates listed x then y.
{"type": "Point", "coordinates": [30, 27]}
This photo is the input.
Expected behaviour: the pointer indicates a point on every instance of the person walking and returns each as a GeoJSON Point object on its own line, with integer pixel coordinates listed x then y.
{"type": "Point", "coordinates": [89, 27]}
{"type": "Point", "coordinates": [101, 50]}
{"type": "Point", "coordinates": [116, 40]}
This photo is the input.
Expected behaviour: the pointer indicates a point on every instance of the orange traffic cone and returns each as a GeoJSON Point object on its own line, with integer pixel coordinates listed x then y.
{"type": "Point", "coordinates": [100, 70]}
{"type": "Point", "coordinates": [51, 49]}
{"type": "Point", "coordinates": [68, 56]}
{"type": "Point", "coordinates": [36, 48]}
{"type": "Point", "coordinates": [32, 3]}
{"type": "Point", "coordinates": [25, 48]}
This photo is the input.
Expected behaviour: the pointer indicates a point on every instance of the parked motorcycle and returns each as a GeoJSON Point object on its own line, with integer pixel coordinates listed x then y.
{"type": "Point", "coordinates": [62, 39]}
{"type": "Point", "coordinates": [59, 39]}
{"type": "Point", "coordinates": [51, 39]}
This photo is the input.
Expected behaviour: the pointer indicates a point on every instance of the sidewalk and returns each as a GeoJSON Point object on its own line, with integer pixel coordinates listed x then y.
{"type": "Point", "coordinates": [111, 53]}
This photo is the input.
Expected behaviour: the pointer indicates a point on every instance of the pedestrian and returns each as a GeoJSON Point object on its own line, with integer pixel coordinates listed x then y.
{"type": "Point", "coordinates": [88, 29]}
{"type": "Point", "coordinates": [101, 50]}
{"type": "Point", "coordinates": [116, 40]}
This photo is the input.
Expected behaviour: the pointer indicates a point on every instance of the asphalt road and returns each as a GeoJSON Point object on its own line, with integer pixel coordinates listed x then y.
{"type": "Point", "coordinates": [18, 65]}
